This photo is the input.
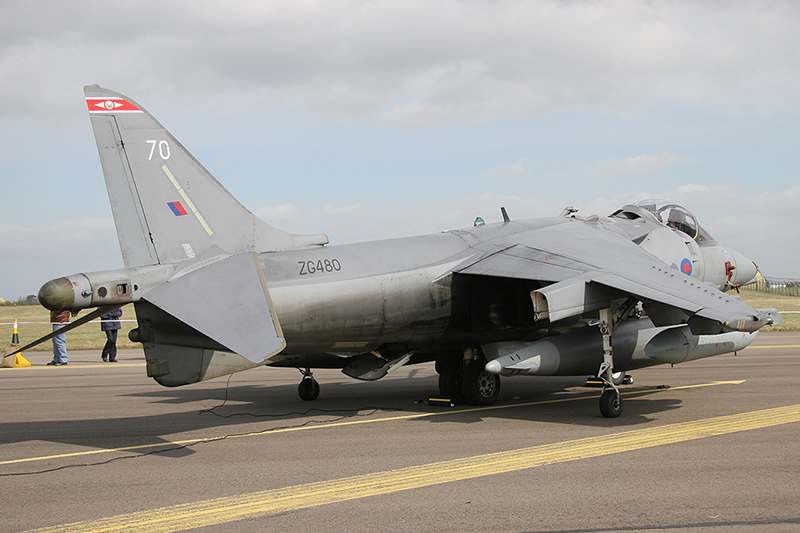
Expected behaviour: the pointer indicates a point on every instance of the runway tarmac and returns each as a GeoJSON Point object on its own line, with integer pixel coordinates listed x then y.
{"type": "Point", "coordinates": [710, 445]}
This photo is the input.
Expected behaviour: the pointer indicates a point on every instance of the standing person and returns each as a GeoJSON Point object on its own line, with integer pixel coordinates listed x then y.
{"type": "Point", "coordinates": [109, 322]}
{"type": "Point", "coordinates": [59, 319]}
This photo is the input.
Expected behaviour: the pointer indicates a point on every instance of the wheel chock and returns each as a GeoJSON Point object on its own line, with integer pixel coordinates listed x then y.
{"type": "Point", "coordinates": [13, 362]}
{"type": "Point", "coordinates": [438, 400]}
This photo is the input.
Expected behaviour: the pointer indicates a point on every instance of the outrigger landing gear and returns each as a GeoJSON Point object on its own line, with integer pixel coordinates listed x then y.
{"type": "Point", "coordinates": [610, 400]}
{"type": "Point", "coordinates": [610, 403]}
{"type": "Point", "coordinates": [308, 388]}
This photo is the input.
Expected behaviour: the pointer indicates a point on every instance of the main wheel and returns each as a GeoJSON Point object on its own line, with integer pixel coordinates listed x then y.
{"type": "Point", "coordinates": [610, 404]}
{"type": "Point", "coordinates": [450, 377]}
{"type": "Point", "coordinates": [479, 386]}
{"type": "Point", "coordinates": [308, 389]}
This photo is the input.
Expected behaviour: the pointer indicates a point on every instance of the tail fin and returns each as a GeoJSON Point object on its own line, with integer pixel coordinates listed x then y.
{"type": "Point", "coordinates": [167, 207]}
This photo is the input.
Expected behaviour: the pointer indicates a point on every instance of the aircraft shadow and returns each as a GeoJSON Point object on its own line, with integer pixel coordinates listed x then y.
{"type": "Point", "coordinates": [272, 407]}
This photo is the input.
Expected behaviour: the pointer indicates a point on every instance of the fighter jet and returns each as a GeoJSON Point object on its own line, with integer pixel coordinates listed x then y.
{"type": "Point", "coordinates": [217, 290]}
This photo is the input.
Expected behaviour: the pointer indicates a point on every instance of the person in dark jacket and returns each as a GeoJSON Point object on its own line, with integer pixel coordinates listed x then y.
{"type": "Point", "coordinates": [109, 322]}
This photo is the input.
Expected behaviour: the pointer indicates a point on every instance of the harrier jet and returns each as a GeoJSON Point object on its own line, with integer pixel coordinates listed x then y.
{"type": "Point", "coordinates": [217, 290]}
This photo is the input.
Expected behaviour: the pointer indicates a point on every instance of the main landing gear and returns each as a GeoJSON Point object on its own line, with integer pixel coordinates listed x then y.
{"type": "Point", "coordinates": [308, 388]}
{"type": "Point", "coordinates": [465, 380]}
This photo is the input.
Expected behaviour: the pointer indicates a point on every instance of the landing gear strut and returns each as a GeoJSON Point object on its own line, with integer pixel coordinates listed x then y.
{"type": "Point", "coordinates": [610, 400]}
{"type": "Point", "coordinates": [451, 373]}
{"type": "Point", "coordinates": [308, 388]}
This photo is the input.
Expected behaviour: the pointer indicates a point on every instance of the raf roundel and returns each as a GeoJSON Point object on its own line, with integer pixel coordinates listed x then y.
{"type": "Point", "coordinates": [686, 267]}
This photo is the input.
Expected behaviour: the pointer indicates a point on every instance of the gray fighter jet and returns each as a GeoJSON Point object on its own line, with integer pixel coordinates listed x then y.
{"type": "Point", "coordinates": [217, 290]}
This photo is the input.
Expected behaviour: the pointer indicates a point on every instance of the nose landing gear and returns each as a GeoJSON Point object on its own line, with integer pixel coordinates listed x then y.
{"type": "Point", "coordinates": [610, 403]}
{"type": "Point", "coordinates": [610, 400]}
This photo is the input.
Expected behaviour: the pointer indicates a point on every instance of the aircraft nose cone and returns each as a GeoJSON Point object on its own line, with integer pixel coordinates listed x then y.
{"type": "Point", "coordinates": [57, 295]}
{"type": "Point", "coordinates": [745, 271]}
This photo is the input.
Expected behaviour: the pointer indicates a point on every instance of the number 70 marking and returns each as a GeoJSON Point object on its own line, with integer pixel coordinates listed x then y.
{"type": "Point", "coordinates": [163, 149]}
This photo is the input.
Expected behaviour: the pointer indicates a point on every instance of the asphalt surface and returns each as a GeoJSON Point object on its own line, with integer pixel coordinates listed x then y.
{"type": "Point", "coordinates": [709, 445]}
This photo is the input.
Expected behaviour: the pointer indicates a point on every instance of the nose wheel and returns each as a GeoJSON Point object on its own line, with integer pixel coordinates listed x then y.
{"type": "Point", "coordinates": [308, 390]}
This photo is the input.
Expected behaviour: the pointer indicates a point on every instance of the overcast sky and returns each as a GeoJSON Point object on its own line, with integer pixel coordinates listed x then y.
{"type": "Point", "coordinates": [372, 119]}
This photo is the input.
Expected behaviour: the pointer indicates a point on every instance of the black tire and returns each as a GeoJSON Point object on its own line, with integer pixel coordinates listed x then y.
{"type": "Point", "coordinates": [479, 386]}
{"type": "Point", "coordinates": [450, 380]}
{"type": "Point", "coordinates": [617, 378]}
{"type": "Point", "coordinates": [308, 389]}
{"type": "Point", "coordinates": [610, 404]}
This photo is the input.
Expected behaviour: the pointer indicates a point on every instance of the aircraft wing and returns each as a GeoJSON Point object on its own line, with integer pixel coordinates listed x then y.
{"type": "Point", "coordinates": [585, 265]}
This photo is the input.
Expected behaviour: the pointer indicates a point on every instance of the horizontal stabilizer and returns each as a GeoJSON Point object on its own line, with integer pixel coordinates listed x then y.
{"type": "Point", "coordinates": [228, 301]}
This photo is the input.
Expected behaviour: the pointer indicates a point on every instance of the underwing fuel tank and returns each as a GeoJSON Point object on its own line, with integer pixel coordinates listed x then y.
{"type": "Point", "coordinates": [637, 344]}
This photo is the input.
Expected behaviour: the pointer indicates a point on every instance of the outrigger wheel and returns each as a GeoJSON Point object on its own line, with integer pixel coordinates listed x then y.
{"type": "Point", "coordinates": [308, 388]}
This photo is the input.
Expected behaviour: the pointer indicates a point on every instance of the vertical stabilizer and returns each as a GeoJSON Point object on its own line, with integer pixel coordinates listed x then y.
{"type": "Point", "coordinates": [167, 207]}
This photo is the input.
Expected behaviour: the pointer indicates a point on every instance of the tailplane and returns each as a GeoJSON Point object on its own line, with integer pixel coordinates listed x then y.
{"type": "Point", "coordinates": [167, 207]}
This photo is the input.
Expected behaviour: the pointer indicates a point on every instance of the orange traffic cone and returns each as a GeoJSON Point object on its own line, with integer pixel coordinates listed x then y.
{"type": "Point", "coordinates": [19, 361]}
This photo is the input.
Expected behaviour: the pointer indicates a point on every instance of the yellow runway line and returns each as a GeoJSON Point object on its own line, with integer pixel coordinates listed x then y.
{"type": "Point", "coordinates": [261, 503]}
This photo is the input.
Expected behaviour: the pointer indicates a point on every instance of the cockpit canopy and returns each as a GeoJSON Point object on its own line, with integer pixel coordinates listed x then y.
{"type": "Point", "coordinates": [668, 213]}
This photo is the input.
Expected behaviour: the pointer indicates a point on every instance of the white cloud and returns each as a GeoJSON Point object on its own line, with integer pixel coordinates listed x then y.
{"type": "Point", "coordinates": [281, 214]}
{"type": "Point", "coordinates": [517, 169]}
{"type": "Point", "coordinates": [641, 163]}
{"type": "Point", "coordinates": [342, 211]}
{"type": "Point", "coordinates": [457, 61]}
{"type": "Point", "coordinates": [627, 77]}
{"type": "Point", "coordinates": [17, 239]}
{"type": "Point", "coordinates": [294, 214]}
{"type": "Point", "coordinates": [34, 255]}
